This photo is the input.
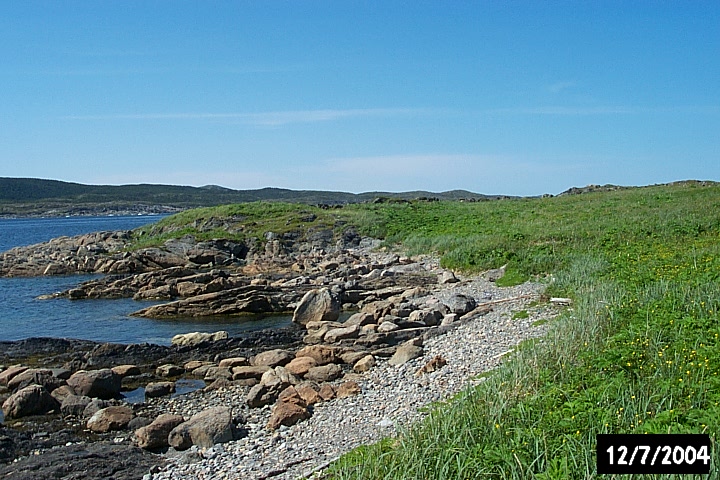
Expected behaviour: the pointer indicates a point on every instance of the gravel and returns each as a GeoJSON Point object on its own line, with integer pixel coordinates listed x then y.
{"type": "Point", "coordinates": [390, 398]}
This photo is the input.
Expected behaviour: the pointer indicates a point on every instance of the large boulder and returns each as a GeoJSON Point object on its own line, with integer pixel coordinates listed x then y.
{"type": "Point", "coordinates": [109, 419]}
{"type": "Point", "coordinates": [103, 383]}
{"type": "Point", "coordinates": [205, 429]}
{"type": "Point", "coordinates": [404, 354]}
{"type": "Point", "coordinates": [325, 373]}
{"type": "Point", "coordinates": [364, 364]}
{"type": "Point", "coordinates": [159, 389]}
{"type": "Point", "coordinates": [246, 372]}
{"type": "Point", "coordinates": [34, 376]}
{"type": "Point", "coordinates": [322, 354]}
{"type": "Point", "coordinates": [196, 338]}
{"type": "Point", "coordinates": [272, 358]}
{"type": "Point", "coordinates": [288, 414]}
{"type": "Point", "coordinates": [169, 370]}
{"type": "Point", "coordinates": [10, 372]}
{"type": "Point", "coordinates": [31, 400]}
{"type": "Point", "coordinates": [74, 405]}
{"type": "Point", "coordinates": [299, 366]}
{"type": "Point", "coordinates": [337, 334]}
{"type": "Point", "coordinates": [156, 434]}
{"type": "Point", "coordinates": [317, 305]}
{"type": "Point", "coordinates": [126, 370]}
{"type": "Point", "coordinates": [460, 304]}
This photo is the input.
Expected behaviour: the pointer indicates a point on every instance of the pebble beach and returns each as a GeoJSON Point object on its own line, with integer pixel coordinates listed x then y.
{"type": "Point", "coordinates": [391, 397]}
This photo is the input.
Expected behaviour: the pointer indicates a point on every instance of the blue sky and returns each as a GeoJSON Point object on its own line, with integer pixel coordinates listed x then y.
{"type": "Point", "coordinates": [518, 98]}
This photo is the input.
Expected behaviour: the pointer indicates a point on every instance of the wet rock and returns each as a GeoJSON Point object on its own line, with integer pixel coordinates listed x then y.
{"type": "Point", "coordinates": [159, 389]}
{"type": "Point", "coordinates": [109, 419]}
{"type": "Point", "coordinates": [93, 461]}
{"type": "Point", "coordinates": [102, 384]}
{"type": "Point", "coordinates": [31, 400]}
{"type": "Point", "coordinates": [205, 429]}
{"type": "Point", "coordinates": [155, 435]}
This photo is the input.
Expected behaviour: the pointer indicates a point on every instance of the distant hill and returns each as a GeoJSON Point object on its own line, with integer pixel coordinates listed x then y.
{"type": "Point", "coordinates": [32, 196]}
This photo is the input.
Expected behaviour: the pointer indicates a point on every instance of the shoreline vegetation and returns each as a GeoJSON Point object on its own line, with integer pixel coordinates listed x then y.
{"type": "Point", "coordinates": [638, 351]}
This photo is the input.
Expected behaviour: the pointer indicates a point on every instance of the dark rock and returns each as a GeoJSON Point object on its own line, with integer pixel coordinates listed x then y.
{"type": "Point", "coordinates": [87, 461]}
{"type": "Point", "coordinates": [74, 405]}
{"type": "Point", "coordinates": [460, 304]}
{"type": "Point", "coordinates": [104, 384]}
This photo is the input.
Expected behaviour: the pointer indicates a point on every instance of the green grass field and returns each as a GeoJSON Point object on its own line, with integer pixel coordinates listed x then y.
{"type": "Point", "coordinates": [639, 351]}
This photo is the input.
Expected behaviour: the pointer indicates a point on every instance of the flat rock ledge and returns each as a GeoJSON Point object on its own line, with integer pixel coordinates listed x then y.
{"type": "Point", "coordinates": [449, 362]}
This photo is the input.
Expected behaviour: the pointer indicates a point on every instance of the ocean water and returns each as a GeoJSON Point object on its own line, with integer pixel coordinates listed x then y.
{"type": "Point", "coordinates": [22, 315]}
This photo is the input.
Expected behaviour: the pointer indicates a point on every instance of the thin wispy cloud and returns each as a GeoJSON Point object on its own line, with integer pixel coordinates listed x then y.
{"type": "Point", "coordinates": [602, 110]}
{"type": "Point", "coordinates": [560, 86]}
{"type": "Point", "coordinates": [261, 118]}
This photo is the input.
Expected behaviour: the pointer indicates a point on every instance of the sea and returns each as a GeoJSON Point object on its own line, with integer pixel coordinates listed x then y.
{"type": "Point", "coordinates": [23, 315]}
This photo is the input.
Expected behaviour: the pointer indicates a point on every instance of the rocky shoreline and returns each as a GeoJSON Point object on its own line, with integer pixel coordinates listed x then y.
{"type": "Point", "coordinates": [276, 403]}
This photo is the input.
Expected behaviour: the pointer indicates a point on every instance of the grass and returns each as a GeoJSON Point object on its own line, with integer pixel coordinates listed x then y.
{"type": "Point", "coordinates": [639, 351]}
